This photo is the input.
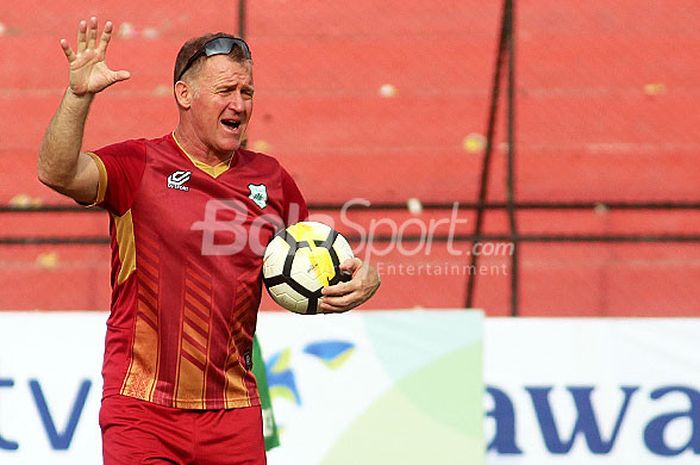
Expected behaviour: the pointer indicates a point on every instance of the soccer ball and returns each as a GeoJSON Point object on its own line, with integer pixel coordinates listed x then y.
{"type": "Point", "coordinates": [300, 261]}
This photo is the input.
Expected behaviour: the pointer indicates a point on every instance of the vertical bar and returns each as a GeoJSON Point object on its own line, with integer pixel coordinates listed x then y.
{"type": "Point", "coordinates": [486, 161]}
{"type": "Point", "coordinates": [241, 18]}
{"type": "Point", "coordinates": [510, 183]}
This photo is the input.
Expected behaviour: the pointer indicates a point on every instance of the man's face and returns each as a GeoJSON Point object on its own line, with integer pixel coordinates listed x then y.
{"type": "Point", "coordinates": [222, 103]}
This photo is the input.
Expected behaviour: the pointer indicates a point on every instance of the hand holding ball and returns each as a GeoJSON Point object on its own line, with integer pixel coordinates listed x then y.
{"type": "Point", "coordinates": [300, 261]}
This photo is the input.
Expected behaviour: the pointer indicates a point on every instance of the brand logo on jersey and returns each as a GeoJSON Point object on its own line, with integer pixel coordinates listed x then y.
{"type": "Point", "coordinates": [178, 179]}
{"type": "Point", "coordinates": [258, 194]}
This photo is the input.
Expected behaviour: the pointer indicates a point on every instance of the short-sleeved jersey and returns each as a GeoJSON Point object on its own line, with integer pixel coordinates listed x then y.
{"type": "Point", "coordinates": [187, 247]}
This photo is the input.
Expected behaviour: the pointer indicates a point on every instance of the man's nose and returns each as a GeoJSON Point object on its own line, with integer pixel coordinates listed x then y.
{"type": "Point", "coordinates": [236, 102]}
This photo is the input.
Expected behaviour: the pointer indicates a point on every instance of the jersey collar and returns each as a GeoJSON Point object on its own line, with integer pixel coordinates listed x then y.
{"type": "Point", "coordinates": [214, 171]}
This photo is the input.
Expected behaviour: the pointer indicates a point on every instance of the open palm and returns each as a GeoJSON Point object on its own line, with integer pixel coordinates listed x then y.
{"type": "Point", "coordinates": [89, 74]}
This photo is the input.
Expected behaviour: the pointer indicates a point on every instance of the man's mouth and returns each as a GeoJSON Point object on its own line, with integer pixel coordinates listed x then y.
{"type": "Point", "coordinates": [231, 123]}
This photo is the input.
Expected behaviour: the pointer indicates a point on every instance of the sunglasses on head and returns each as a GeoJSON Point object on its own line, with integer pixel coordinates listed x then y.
{"type": "Point", "coordinates": [218, 46]}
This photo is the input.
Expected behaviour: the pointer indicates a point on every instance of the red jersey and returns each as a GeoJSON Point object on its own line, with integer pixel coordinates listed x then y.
{"type": "Point", "coordinates": [187, 247]}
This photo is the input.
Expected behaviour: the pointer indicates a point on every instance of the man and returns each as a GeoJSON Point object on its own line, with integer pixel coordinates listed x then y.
{"type": "Point", "coordinates": [178, 385]}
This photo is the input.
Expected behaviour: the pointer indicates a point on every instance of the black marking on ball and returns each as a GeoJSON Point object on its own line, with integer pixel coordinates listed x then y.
{"type": "Point", "coordinates": [312, 308]}
{"type": "Point", "coordinates": [274, 280]}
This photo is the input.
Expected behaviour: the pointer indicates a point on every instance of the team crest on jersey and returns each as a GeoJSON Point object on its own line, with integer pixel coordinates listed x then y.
{"type": "Point", "coordinates": [258, 194]}
{"type": "Point", "coordinates": [178, 179]}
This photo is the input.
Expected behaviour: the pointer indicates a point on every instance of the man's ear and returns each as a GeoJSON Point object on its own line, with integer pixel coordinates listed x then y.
{"type": "Point", "coordinates": [184, 93]}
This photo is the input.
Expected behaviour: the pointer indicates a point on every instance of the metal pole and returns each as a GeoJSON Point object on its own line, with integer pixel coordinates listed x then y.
{"type": "Point", "coordinates": [529, 205]}
{"type": "Point", "coordinates": [241, 18]}
{"type": "Point", "coordinates": [510, 183]}
{"type": "Point", "coordinates": [486, 162]}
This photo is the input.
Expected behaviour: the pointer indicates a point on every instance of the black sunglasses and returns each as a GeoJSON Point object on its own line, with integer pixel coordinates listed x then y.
{"type": "Point", "coordinates": [218, 46]}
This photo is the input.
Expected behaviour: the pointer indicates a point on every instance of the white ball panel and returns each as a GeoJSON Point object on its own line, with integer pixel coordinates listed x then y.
{"type": "Point", "coordinates": [303, 270]}
{"type": "Point", "coordinates": [342, 248]}
{"type": "Point", "coordinates": [289, 298]}
{"type": "Point", "coordinates": [275, 255]}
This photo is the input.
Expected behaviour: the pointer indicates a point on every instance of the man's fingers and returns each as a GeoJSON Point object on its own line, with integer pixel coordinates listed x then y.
{"type": "Point", "coordinates": [351, 264]}
{"type": "Point", "coordinates": [121, 75]}
{"type": "Point", "coordinates": [82, 31]}
{"type": "Point", "coordinates": [340, 301]}
{"type": "Point", "coordinates": [345, 296]}
{"type": "Point", "coordinates": [338, 289]}
{"type": "Point", "coordinates": [106, 36]}
{"type": "Point", "coordinates": [326, 307]}
{"type": "Point", "coordinates": [92, 33]}
{"type": "Point", "coordinates": [67, 50]}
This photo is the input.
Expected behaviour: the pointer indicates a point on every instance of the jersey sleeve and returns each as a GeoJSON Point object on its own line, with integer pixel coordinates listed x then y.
{"type": "Point", "coordinates": [295, 208]}
{"type": "Point", "coordinates": [121, 168]}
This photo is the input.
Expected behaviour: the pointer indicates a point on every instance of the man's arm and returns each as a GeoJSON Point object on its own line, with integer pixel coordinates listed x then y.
{"type": "Point", "coordinates": [61, 165]}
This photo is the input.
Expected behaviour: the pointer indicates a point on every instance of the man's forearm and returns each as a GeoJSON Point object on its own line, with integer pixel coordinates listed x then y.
{"type": "Point", "coordinates": [60, 149]}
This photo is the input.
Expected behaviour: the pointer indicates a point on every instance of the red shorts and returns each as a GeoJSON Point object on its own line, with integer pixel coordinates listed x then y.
{"type": "Point", "coordinates": [139, 432]}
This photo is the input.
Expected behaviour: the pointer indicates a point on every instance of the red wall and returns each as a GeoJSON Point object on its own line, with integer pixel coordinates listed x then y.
{"type": "Point", "coordinates": [606, 110]}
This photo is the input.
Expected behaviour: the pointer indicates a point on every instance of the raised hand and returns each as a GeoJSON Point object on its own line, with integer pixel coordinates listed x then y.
{"type": "Point", "coordinates": [89, 74]}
